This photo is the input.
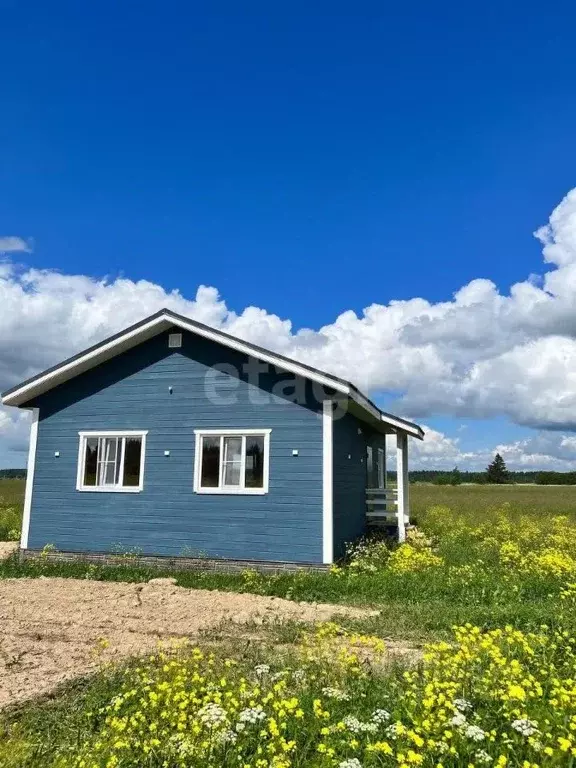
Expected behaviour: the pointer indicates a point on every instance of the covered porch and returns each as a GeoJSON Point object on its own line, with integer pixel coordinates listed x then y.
{"type": "Point", "coordinates": [387, 504]}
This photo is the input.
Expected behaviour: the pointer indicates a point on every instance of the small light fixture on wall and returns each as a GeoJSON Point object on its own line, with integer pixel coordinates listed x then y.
{"type": "Point", "coordinates": [170, 390]}
{"type": "Point", "coordinates": [57, 453]}
{"type": "Point", "coordinates": [166, 453]}
{"type": "Point", "coordinates": [295, 452]}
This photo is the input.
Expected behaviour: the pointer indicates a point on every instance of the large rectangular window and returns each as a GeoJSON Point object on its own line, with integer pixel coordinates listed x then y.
{"type": "Point", "coordinates": [232, 461]}
{"type": "Point", "coordinates": [111, 461]}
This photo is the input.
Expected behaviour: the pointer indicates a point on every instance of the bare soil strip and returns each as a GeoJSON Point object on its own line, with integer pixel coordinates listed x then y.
{"type": "Point", "coordinates": [54, 629]}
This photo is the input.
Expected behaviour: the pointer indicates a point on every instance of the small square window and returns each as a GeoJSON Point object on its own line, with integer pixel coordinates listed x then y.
{"type": "Point", "coordinates": [174, 340]}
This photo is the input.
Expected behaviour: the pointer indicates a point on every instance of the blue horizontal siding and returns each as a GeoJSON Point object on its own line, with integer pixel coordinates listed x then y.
{"type": "Point", "coordinates": [349, 495]}
{"type": "Point", "coordinates": [351, 438]}
{"type": "Point", "coordinates": [131, 392]}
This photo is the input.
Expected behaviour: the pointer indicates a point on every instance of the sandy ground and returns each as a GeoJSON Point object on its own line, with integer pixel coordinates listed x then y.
{"type": "Point", "coordinates": [7, 547]}
{"type": "Point", "coordinates": [51, 629]}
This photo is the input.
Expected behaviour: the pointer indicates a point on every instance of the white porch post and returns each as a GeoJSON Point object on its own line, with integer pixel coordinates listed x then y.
{"type": "Point", "coordinates": [403, 501]}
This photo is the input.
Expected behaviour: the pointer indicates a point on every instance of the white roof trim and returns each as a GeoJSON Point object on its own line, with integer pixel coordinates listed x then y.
{"type": "Point", "coordinates": [402, 426]}
{"type": "Point", "coordinates": [83, 362]}
{"type": "Point", "coordinates": [163, 321]}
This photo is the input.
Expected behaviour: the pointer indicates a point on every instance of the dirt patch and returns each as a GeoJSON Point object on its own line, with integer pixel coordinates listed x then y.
{"type": "Point", "coordinates": [6, 548]}
{"type": "Point", "coordinates": [54, 629]}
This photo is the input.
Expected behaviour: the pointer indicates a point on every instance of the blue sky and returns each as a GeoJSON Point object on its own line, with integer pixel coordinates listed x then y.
{"type": "Point", "coordinates": [307, 159]}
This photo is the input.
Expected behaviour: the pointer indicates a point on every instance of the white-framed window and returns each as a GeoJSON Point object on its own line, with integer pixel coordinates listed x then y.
{"type": "Point", "coordinates": [111, 461]}
{"type": "Point", "coordinates": [232, 461]}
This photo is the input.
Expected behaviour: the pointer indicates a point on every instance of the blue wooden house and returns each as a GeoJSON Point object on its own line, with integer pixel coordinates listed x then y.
{"type": "Point", "coordinates": [177, 440]}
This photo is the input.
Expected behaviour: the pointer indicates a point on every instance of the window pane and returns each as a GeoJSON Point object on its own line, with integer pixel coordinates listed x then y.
{"type": "Point", "coordinates": [232, 461]}
{"type": "Point", "coordinates": [233, 449]}
{"type": "Point", "coordinates": [90, 461]}
{"type": "Point", "coordinates": [369, 467]}
{"type": "Point", "coordinates": [232, 474]}
{"type": "Point", "coordinates": [108, 464]}
{"type": "Point", "coordinates": [108, 474]}
{"type": "Point", "coordinates": [132, 455]}
{"type": "Point", "coordinates": [254, 477]}
{"type": "Point", "coordinates": [109, 449]}
{"type": "Point", "coordinates": [210, 462]}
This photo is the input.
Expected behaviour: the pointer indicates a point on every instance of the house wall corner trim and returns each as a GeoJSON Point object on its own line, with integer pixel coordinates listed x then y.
{"type": "Point", "coordinates": [327, 482]}
{"type": "Point", "coordinates": [29, 478]}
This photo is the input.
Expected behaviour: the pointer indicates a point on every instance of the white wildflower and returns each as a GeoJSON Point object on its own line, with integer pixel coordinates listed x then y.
{"type": "Point", "coordinates": [459, 720]}
{"type": "Point", "coordinates": [475, 733]}
{"type": "Point", "coordinates": [482, 757]}
{"type": "Point", "coordinates": [357, 726]}
{"type": "Point", "coordinates": [212, 715]}
{"type": "Point", "coordinates": [463, 705]}
{"type": "Point", "coordinates": [536, 745]}
{"type": "Point", "coordinates": [525, 727]}
{"type": "Point", "coordinates": [380, 716]}
{"type": "Point", "coordinates": [226, 737]}
{"type": "Point", "coordinates": [182, 745]}
{"type": "Point", "coordinates": [261, 669]}
{"type": "Point", "coordinates": [352, 762]}
{"type": "Point", "coordinates": [252, 715]}
{"type": "Point", "coordinates": [336, 693]}
{"type": "Point", "coordinates": [299, 675]}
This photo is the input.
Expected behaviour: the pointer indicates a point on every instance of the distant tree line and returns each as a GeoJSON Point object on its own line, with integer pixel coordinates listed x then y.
{"type": "Point", "coordinates": [495, 473]}
{"type": "Point", "coordinates": [11, 474]}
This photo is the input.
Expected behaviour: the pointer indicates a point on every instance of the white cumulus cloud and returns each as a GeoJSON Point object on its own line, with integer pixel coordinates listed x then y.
{"type": "Point", "coordinates": [480, 354]}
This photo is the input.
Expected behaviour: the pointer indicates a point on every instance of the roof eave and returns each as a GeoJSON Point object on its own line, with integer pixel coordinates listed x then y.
{"type": "Point", "coordinates": [151, 326]}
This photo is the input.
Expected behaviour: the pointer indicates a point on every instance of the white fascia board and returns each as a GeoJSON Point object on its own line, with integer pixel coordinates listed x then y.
{"type": "Point", "coordinates": [162, 322]}
{"type": "Point", "coordinates": [268, 357]}
{"type": "Point", "coordinates": [154, 327]}
{"type": "Point", "coordinates": [85, 362]}
{"type": "Point", "coordinates": [402, 426]}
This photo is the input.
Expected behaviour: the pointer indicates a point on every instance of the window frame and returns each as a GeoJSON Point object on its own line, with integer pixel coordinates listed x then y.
{"type": "Point", "coordinates": [230, 490]}
{"type": "Point", "coordinates": [83, 440]}
{"type": "Point", "coordinates": [381, 467]}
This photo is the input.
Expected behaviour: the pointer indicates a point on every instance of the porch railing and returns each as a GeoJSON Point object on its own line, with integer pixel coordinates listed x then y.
{"type": "Point", "coordinates": [381, 507]}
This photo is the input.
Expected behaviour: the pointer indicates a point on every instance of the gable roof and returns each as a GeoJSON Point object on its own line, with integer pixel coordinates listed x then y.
{"type": "Point", "coordinates": [165, 319]}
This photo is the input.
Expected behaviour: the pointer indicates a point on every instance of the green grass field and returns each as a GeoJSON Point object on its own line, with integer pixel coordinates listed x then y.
{"type": "Point", "coordinates": [11, 501]}
{"type": "Point", "coordinates": [530, 499]}
{"type": "Point", "coordinates": [500, 560]}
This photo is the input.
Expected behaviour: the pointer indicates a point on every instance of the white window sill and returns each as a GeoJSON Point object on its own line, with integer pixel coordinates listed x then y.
{"type": "Point", "coordinates": [109, 490]}
{"type": "Point", "coordinates": [232, 491]}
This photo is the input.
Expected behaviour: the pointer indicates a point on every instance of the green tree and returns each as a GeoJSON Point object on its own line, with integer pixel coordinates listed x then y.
{"type": "Point", "coordinates": [496, 472]}
{"type": "Point", "coordinates": [455, 477]}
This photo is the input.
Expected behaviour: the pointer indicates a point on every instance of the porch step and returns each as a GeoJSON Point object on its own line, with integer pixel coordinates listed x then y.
{"type": "Point", "coordinates": [375, 518]}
